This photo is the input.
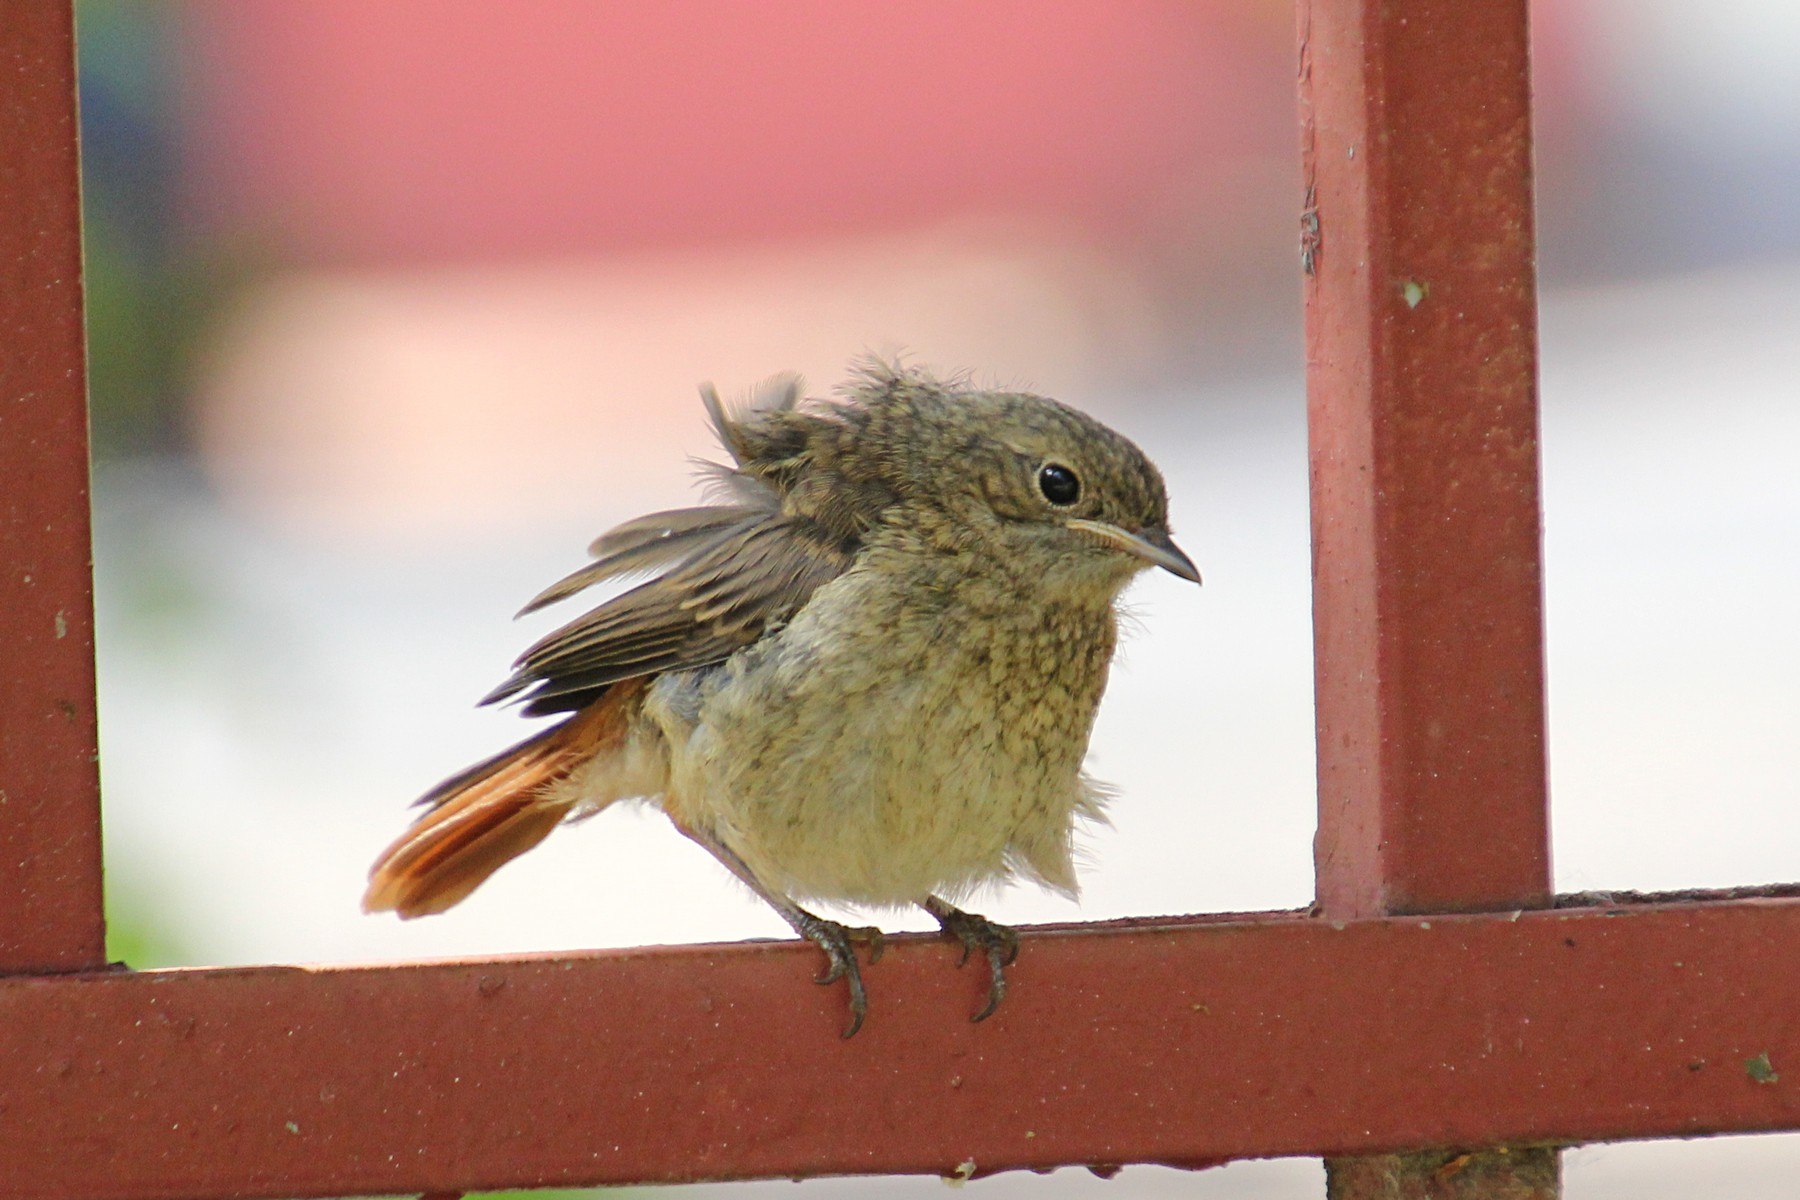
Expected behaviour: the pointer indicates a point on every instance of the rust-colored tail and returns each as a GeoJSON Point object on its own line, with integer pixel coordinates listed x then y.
{"type": "Point", "coordinates": [488, 815]}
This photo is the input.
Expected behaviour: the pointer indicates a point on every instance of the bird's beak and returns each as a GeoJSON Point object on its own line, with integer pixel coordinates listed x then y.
{"type": "Point", "coordinates": [1153, 545]}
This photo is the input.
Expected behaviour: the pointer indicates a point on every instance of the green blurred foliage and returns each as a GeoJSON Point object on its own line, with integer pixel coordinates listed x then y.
{"type": "Point", "coordinates": [135, 345]}
{"type": "Point", "coordinates": [154, 284]}
{"type": "Point", "coordinates": [136, 934]}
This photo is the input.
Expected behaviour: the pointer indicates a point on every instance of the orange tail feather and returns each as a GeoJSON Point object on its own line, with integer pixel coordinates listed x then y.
{"type": "Point", "coordinates": [489, 815]}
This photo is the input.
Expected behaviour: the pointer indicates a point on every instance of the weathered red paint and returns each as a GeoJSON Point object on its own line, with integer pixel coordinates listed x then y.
{"type": "Point", "coordinates": [50, 908]}
{"type": "Point", "coordinates": [1182, 1041]}
{"type": "Point", "coordinates": [1421, 382]}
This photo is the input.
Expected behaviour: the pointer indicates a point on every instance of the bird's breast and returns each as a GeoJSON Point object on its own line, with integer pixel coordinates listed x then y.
{"type": "Point", "coordinates": [891, 742]}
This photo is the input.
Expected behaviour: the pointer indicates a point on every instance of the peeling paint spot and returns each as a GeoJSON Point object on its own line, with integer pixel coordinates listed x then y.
{"type": "Point", "coordinates": [965, 1170]}
{"type": "Point", "coordinates": [291, 1127]}
{"type": "Point", "coordinates": [62, 624]}
{"type": "Point", "coordinates": [1310, 236]}
{"type": "Point", "coordinates": [1761, 1069]}
{"type": "Point", "coordinates": [1415, 291]}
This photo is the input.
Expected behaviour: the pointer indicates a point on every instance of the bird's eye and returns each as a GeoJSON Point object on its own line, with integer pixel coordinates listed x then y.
{"type": "Point", "coordinates": [1059, 485]}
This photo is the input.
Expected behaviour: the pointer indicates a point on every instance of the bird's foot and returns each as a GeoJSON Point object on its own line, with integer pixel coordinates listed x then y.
{"type": "Point", "coordinates": [839, 943]}
{"type": "Point", "coordinates": [998, 943]}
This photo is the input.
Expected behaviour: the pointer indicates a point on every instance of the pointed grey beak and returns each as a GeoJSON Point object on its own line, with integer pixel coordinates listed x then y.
{"type": "Point", "coordinates": [1153, 546]}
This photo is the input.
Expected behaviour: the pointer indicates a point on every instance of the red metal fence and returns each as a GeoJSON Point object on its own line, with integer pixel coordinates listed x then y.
{"type": "Point", "coordinates": [1436, 1004]}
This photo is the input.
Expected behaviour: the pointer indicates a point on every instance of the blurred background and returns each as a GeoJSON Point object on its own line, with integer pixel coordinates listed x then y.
{"type": "Point", "coordinates": [394, 306]}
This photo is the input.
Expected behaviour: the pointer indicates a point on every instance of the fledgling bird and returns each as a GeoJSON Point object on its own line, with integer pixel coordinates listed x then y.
{"type": "Point", "coordinates": [867, 675]}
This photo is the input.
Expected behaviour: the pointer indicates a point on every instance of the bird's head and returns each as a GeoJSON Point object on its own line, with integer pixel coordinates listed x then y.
{"type": "Point", "coordinates": [996, 473]}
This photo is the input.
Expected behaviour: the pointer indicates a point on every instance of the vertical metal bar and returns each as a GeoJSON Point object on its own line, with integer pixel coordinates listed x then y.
{"type": "Point", "coordinates": [1421, 368]}
{"type": "Point", "coordinates": [1422, 408]}
{"type": "Point", "coordinates": [50, 885]}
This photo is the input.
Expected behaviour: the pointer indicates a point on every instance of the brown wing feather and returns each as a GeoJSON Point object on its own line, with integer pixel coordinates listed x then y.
{"type": "Point", "coordinates": [736, 581]}
{"type": "Point", "coordinates": [648, 543]}
{"type": "Point", "coordinates": [727, 572]}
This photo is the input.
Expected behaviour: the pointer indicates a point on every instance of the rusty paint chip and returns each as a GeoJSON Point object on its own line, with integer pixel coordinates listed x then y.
{"type": "Point", "coordinates": [1761, 1069]}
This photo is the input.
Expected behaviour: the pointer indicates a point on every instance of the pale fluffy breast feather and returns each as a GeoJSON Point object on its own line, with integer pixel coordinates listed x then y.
{"type": "Point", "coordinates": [877, 752]}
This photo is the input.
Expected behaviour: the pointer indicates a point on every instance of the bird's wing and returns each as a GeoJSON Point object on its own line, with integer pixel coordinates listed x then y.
{"type": "Point", "coordinates": [727, 579]}
{"type": "Point", "coordinates": [648, 543]}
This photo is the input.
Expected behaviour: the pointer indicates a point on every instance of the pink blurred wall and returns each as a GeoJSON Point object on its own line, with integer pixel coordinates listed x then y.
{"type": "Point", "coordinates": [459, 129]}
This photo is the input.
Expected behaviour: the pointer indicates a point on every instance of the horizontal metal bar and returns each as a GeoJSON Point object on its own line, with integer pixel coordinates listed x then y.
{"type": "Point", "coordinates": [1178, 1041]}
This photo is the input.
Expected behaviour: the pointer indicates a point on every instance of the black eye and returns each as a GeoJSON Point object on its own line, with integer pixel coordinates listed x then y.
{"type": "Point", "coordinates": [1059, 485]}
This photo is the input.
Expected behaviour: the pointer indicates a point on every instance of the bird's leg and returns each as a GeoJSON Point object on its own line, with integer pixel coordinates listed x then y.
{"type": "Point", "coordinates": [837, 940]}
{"type": "Point", "coordinates": [997, 942]}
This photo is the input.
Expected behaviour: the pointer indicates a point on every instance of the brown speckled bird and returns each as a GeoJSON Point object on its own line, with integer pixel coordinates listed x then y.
{"type": "Point", "coordinates": [868, 675]}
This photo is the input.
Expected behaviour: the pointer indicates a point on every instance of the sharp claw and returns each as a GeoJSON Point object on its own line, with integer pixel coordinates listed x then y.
{"type": "Point", "coordinates": [838, 943]}
{"type": "Point", "coordinates": [998, 943]}
{"type": "Point", "coordinates": [859, 1006]}
{"type": "Point", "coordinates": [997, 988]}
